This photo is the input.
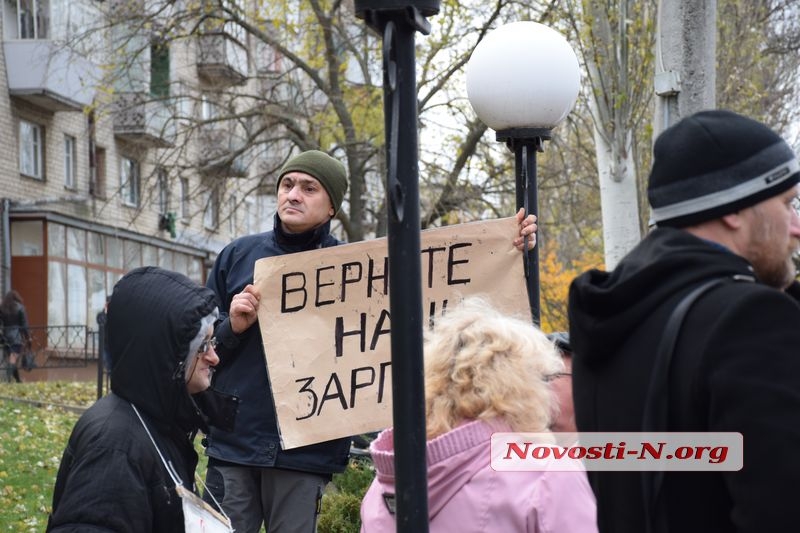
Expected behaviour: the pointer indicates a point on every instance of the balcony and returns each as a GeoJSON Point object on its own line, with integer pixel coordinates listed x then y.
{"type": "Point", "coordinates": [268, 172]}
{"type": "Point", "coordinates": [219, 153]}
{"type": "Point", "coordinates": [271, 156]}
{"type": "Point", "coordinates": [221, 60]}
{"type": "Point", "coordinates": [49, 75]}
{"type": "Point", "coordinates": [140, 119]}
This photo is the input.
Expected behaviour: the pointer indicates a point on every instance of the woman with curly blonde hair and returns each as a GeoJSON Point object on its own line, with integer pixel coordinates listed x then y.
{"type": "Point", "coordinates": [485, 372]}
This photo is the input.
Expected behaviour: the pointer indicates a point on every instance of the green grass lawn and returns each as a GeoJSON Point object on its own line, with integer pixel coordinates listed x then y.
{"type": "Point", "coordinates": [33, 435]}
{"type": "Point", "coordinates": [31, 444]}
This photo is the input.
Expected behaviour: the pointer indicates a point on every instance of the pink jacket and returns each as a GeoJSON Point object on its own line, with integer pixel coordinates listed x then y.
{"type": "Point", "coordinates": [466, 495]}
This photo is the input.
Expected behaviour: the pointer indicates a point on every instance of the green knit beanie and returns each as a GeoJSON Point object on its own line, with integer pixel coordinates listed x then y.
{"type": "Point", "coordinates": [328, 171]}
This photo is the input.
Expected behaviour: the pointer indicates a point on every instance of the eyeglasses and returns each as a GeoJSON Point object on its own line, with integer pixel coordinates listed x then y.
{"type": "Point", "coordinates": [207, 344]}
{"type": "Point", "coordinates": [796, 204]}
{"type": "Point", "coordinates": [552, 377]}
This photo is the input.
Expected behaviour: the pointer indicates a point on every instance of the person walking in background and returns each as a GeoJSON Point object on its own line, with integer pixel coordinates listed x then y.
{"type": "Point", "coordinates": [15, 331]}
{"type": "Point", "coordinates": [255, 480]}
{"type": "Point", "coordinates": [484, 373]}
{"type": "Point", "coordinates": [723, 193]}
{"type": "Point", "coordinates": [129, 465]}
{"type": "Point", "coordinates": [102, 340]}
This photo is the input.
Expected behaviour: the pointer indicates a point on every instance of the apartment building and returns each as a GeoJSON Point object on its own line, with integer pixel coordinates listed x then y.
{"type": "Point", "coordinates": [103, 173]}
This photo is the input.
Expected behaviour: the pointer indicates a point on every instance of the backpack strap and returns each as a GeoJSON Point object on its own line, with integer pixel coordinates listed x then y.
{"type": "Point", "coordinates": [656, 403]}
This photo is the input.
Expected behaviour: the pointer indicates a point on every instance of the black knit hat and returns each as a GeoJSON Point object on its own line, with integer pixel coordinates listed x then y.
{"type": "Point", "coordinates": [714, 163]}
{"type": "Point", "coordinates": [328, 171]}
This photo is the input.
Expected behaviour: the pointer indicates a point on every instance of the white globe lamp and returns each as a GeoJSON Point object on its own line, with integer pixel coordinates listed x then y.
{"type": "Point", "coordinates": [523, 80]}
{"type": "Point", "coordinates": [523, 75]}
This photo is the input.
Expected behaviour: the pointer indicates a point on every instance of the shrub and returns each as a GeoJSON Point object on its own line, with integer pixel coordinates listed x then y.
{"type": "Point", "coordinates": [341, 504]}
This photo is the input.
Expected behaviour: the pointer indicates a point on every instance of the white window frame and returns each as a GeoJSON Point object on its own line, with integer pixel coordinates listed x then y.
{"type": "Point", "coordinates": [232, 218]}
{"type": "Point", "coordinates": [31, 149]}
{"type": "Point", "coordinates": [249, 209]}
{"type": "Point", "coordinates": [129, 179]}
{"type": "Point", "coordinates": [70, 162]}
{"type": "Point", "coordinates": [231, 28]}
{"type": "Point", "coordinates": [209, 109]}
{"type": "Point", "coordinates": [39, 13]}
{"type": "Point", "coordinates": [185, 104]}
{"type": "Point", "coordinates": [211, 210]}
{"type": "Point", "coordinates": [185, 199]}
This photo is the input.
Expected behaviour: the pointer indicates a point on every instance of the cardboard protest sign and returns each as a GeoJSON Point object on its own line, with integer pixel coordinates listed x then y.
{"type": "Point", "coordinates": [325, 321]}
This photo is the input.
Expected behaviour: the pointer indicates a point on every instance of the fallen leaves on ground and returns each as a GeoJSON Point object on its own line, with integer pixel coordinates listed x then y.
{"type": "Point", "coordinates": [33, 438]}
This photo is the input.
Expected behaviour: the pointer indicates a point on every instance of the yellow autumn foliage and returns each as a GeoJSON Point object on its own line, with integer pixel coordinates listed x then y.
{"type": "Point", "coordinates": [555, 278]}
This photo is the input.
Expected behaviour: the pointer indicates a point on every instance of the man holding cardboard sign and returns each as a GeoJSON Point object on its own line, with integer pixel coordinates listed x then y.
{"type": "Point", "coordinates": [327, 314]}
{"type": "Point", "coordinates": [249, 471]}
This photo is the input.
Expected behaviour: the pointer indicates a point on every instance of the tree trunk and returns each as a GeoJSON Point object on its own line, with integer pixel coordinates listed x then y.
{"type": "Point", "coordinates": [618, 196]}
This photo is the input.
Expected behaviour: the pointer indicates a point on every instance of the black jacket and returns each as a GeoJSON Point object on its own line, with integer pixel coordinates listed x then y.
{"type": "Point", "coordinates": [242, 370]}
{"type": "Point", "coordinates": [111, 477]}
{"type": "Point", "coordinates": [736, 368]}
{"type": "Point", "coordinates": [15, 327]}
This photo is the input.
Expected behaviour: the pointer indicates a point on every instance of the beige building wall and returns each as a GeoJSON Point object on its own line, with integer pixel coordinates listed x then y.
{"type": "Point", "coordinates": [38, 214]}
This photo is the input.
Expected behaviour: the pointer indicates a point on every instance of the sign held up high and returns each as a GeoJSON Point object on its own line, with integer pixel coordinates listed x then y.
{"type": "Point", "coordinates": [325, 321]}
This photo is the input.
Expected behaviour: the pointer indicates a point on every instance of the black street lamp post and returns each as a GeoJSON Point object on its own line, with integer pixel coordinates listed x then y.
{"type": "Point", "coordinates": [525, 143]}
{"type": "Point", "coordinates": [398, 21]}
{"type": "Point", "coordinates": [522, 80]}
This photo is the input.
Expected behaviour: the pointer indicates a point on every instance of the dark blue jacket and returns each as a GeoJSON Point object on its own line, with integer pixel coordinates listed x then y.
{"type": "Point", "coordinates": [242, 370]}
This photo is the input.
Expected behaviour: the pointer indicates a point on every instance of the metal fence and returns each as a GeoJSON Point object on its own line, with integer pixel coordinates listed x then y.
{"type": "Point", "coordinates": [59, 346]}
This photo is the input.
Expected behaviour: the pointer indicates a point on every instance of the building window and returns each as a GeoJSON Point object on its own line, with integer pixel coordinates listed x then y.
{"type": "Point", "coordinates": [31, 159]}
{"type": "Point", "coordinates": [159, 70]}
{"type": "Point", "coordinates": [232, 218]}
{"type": "Point", "coordinates": [248, 217]}
{"type": "Point", "coordinates": [209, 109]}
{"type": "Point", "coordinates": [83, 267]}
{"type": "Point", "coordinates": [163, 191]}
{"type": "Point", "coordinates": [70, 164]}
{"type": "Point", "coordinates": [211, 212]}
{"type": "Point", "coordinates": [27, 238]}
{"type": "Point", "coordinates": [185, 198]}
{"type": "Point", "coordinates": [184, 104]}
{"type": "Point", "coordinates": [265, 210]}
{"type": "Point", "coordinates": [33, 19]}
{"type": "Point", "coordinates": [129, 181]}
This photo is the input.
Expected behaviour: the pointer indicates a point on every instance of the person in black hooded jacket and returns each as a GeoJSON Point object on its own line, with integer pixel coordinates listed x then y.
{"type": "Point", "coordinates": [723, 195]}
{"type": "Point", "coordinates": [111, 476]}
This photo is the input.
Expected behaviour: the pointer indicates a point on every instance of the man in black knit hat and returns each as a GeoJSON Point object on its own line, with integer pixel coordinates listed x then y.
{"type": "Point", "coordinates": [722, 191]}
{"type": "Point", "coordinates": [255, 480]}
